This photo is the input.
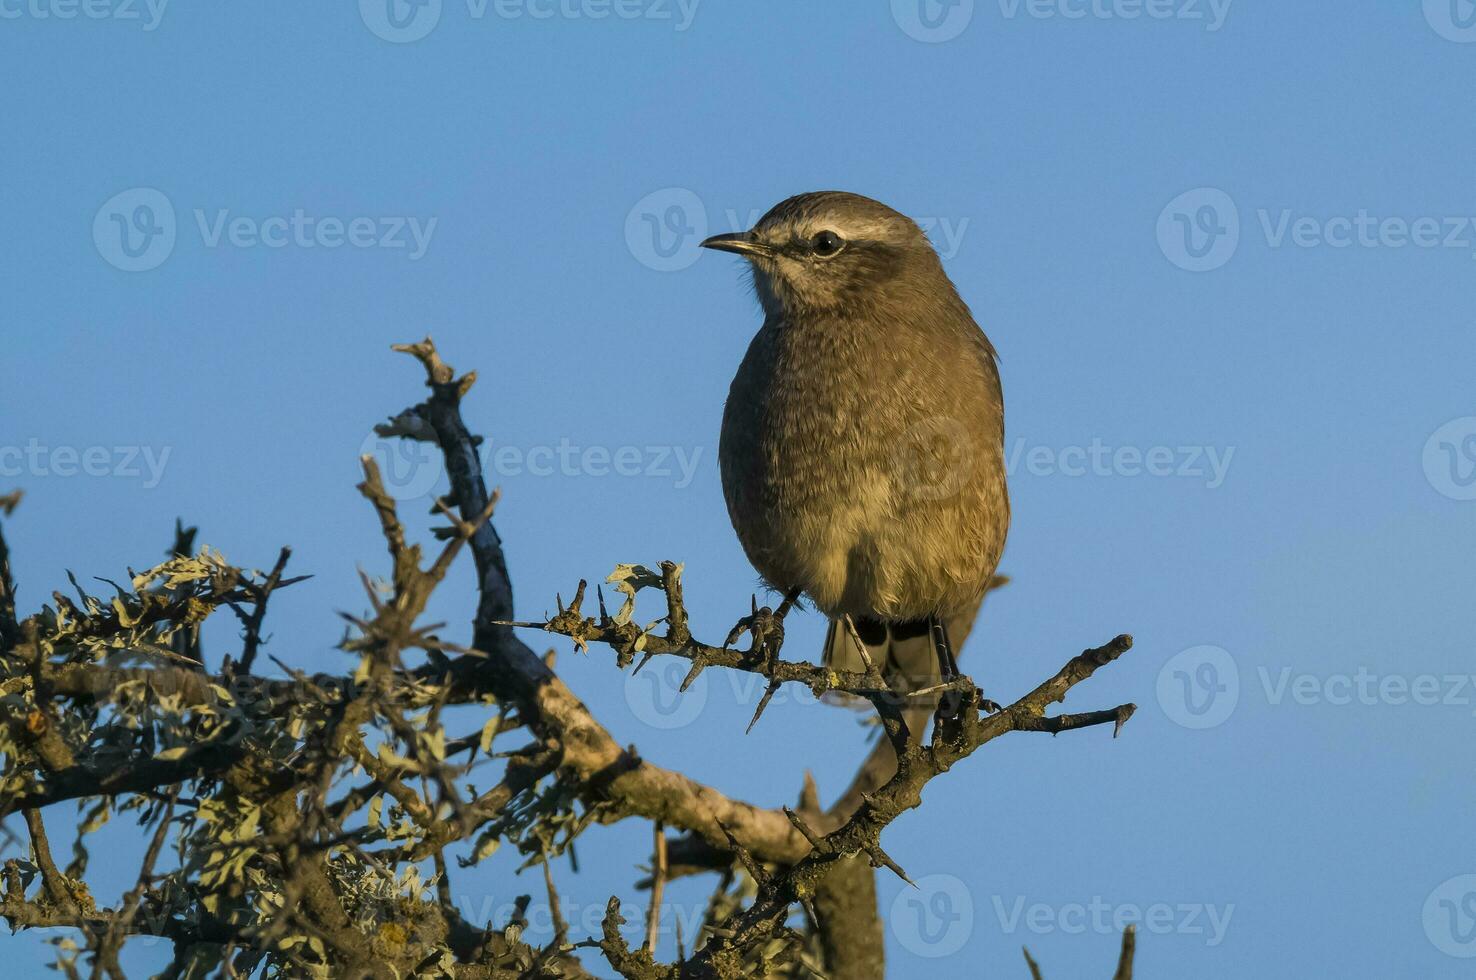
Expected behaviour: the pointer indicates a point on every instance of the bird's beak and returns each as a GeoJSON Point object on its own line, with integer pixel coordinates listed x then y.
{"type": "Point", "coordinates": [741, 242]}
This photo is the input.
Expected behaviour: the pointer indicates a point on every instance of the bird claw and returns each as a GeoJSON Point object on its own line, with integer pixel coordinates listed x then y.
{"type": "Point", "coordinates": [765, 626]}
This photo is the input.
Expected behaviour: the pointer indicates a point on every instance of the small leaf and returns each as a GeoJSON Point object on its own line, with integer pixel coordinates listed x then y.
{"type": "Point", "coordinates": [628, 580]}
{"type": "Point", "coordinates": [486, 847]}
{"type": "Point", "coordinates": [375, 806]}
{"type": "Point", "coordinates": [489, 732]}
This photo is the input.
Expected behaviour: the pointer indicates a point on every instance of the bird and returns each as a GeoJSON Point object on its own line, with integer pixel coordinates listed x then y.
{"type": "Point", "coordinates": [862, 442]}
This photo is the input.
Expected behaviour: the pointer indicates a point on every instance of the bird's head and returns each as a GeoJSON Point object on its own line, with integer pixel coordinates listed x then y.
{"type": "Point", "coordinates": [828, 250]}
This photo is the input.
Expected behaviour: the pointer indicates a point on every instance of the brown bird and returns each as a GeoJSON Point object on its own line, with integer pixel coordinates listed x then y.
{"type": "Point", "coordinates": [862, 447]}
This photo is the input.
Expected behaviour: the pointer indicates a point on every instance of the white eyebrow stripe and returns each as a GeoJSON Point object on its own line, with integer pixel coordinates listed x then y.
{"type": "Point", "coordinates": [850, 229]}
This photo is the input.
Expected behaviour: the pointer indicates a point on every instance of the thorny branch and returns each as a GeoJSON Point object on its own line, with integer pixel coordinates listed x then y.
{"type": "Point", "coordinates": [302, 809]}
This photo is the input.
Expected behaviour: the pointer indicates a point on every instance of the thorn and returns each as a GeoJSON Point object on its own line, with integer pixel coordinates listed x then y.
{"type": "Point", "coordinates": [763, 703]}
{"type": "Point", "coordinates": [644, 660]}
{"type": "Point", "coordinates": [1123, 714]}
{"type": "Point", "coordinates": [809, 908]}
{"type": "Point", "coordinates": [698, 665]}
{"type": "Point", "coordinates": [1029, 961]}
{"type": "Point", "coordinates": [809, 800]}
{"type": "Point", "coordinates": [803, 828]}
{"type": "Point", "coordinates": [880, 859]}
{"type": "Point", "coordinates": [755, 870]}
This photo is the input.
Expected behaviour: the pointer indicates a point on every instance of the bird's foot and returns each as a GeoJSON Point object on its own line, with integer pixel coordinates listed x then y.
{"type": "Point", "coordinates": [950, 705]}
{"type": "Point", "coordinates": [766, 626]}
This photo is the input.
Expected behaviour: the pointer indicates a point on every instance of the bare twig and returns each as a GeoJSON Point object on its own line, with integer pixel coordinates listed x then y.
{"type": "Point", "coordinates": [658, 887]}
{"type": "Point", "coordinates": [9, 628]}
{"type": "Point", "coordinates": [251, 639]}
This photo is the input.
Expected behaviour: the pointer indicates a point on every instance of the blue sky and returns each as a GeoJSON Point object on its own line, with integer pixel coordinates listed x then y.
{"type": "Point", "coordinates": [1226, 253]}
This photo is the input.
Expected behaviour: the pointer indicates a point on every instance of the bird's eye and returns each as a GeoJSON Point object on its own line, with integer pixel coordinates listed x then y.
{"type": "Point", "coordinates": [826, 244]}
